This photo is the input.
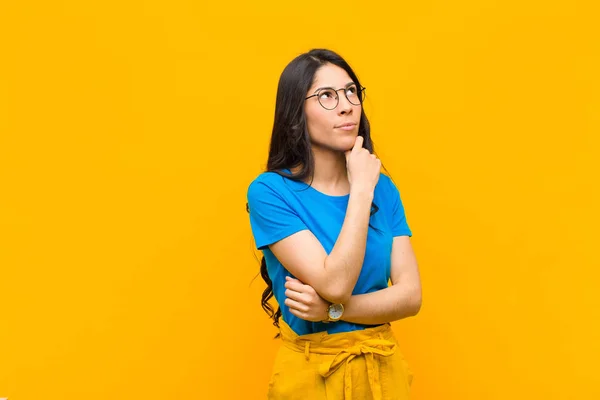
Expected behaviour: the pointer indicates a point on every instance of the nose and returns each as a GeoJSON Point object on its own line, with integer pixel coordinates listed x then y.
{"type": "Point", "coordinates": [344, 106]}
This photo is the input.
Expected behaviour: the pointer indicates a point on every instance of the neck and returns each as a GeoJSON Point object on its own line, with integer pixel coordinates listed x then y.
{"type": "Point", "coordinates": [330, 174]}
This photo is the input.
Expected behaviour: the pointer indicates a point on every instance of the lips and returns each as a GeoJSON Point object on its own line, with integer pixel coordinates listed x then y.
{"type": "Point", "coordinates": [347, 125]}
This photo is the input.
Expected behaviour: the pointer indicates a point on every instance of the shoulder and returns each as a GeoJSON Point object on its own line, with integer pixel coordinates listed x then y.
{"type": "Point", "coordinates": [266, 183]}
{"type": "Point", "coordinates": [268, 178]}
{"type": "Point", "coordinates": [271, 179]}
{"type": "Point", "coordinates": [389, 184]}
{"type": "Point", "coordinates": [385, 179]}
{"type": "Point", "coordinates": [388, 191]}
{"type": "Point", "coordinates": [385, 184]}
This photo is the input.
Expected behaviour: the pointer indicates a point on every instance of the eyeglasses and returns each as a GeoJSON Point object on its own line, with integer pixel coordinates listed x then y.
{"type": "Point", "coordinates": [329, 98]}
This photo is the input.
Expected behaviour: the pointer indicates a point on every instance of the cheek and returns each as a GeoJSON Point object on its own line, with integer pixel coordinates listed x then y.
{"type": "Point", "coordinates": [318, 123]}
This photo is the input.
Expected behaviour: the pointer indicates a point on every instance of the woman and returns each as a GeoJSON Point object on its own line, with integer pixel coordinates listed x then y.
{"type": "Point", "coordinates": [333, 232]}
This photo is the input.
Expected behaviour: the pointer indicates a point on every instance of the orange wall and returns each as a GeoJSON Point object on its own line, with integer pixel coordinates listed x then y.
{"type": "Point", "coordinates": [129, 133]}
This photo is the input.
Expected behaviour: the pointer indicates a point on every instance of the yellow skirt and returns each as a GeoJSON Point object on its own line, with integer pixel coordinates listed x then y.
{"type": "Point", "coordinates": [360, 365]}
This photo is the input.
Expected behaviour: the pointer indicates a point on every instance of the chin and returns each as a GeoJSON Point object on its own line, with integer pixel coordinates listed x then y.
{"type": "Point", "coordinates": [340, 143]}
{"type": "Point", "coordinates": [351, 139]}
{"type": "Point", "coordinates": [347, 143]}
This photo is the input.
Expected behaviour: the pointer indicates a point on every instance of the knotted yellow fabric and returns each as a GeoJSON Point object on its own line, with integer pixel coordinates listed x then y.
{"type": "Point", "coordinates": [369, 348]}
{"type": "Point", "coordinates": [360, 365]}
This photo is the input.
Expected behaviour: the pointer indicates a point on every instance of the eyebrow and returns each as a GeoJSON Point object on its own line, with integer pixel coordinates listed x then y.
{"type": "Point", "coordinates": [330, 87]}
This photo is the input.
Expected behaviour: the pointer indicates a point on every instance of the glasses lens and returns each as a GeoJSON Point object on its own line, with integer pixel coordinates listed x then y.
{"type": "Point", "coordinates": [328, 98]}
{"type": "Point", "coordinates": [354, 95]}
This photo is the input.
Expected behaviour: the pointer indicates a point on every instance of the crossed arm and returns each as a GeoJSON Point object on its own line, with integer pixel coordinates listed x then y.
{"type": "Point", "coordinates": [400, 300]}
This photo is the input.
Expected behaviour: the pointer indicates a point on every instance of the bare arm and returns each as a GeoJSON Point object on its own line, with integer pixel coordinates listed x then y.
{"type": "Point", "coordinates": [334, 276]}
{"type": "Point", "coordinates": [401, 300]}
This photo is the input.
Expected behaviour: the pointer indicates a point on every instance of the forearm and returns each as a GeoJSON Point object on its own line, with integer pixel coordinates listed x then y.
{"type": "Point", "coordinates": [386, 305]}
{"type": "Point", "coordinates": [344, 263]}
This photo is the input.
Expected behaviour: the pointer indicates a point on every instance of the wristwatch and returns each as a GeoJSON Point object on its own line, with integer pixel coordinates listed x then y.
{"type": "Point", "coordinates": [334, 312]}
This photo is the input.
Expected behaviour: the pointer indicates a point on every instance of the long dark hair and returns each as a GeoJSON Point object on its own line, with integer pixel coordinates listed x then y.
{"type": "Point", "coordinates": [290, 142]}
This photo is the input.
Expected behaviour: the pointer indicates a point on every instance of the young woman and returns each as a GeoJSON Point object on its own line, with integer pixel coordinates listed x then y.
{"type": "Point", "coordinates": [333, 232]}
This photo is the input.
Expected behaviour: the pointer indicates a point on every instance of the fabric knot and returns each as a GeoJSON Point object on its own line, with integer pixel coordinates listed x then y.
{"type": "Point", "coordinates": [369, 348]}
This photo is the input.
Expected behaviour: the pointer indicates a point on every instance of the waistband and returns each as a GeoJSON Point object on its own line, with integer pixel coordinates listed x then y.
{"type": "Point", "coordinates": [345, 346]}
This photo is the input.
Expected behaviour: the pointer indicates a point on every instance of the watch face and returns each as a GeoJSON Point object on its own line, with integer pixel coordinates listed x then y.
{"type": "Point", "coordinates": [336, 311]}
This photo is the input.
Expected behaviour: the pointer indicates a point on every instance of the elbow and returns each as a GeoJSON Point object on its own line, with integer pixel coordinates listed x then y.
{"type": "Point", "coordinates": [337, 295]}
{"type": "Point", "coordinates": [416, 307]}
{"type": "Point", "coordinates": [344, 298]}
{"type": "Point", "coordinates": [416, 301]}
{"type": "Point", "coordinates": [337, 290]}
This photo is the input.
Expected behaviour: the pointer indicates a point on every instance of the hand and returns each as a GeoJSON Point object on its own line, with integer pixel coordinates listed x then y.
{"type": "Point", "coordinates": [304, 302]}
{"type": "Point", "coordinates": [363, 167]}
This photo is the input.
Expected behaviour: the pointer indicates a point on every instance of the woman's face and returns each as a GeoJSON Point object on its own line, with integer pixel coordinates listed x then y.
{"type": "Point", "coordinates": [325, 127]}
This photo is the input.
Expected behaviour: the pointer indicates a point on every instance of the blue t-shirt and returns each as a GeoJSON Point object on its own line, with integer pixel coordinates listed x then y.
{"type": "Point", "coordinates": [280, 207]}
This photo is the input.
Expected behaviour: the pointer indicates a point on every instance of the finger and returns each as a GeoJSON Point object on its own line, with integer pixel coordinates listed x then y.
{"type": "Point", "coordinates": [298, 314]}
{"type": "Point", "coordinates": [294, 312]}
{"type": "Point", "coordinates": [293, 304]}
{"type": "Point", "coordinates": [295, 285]}
{"type": "Point", "coordinates": [358, 144]}
{"type": "Point", "coordinates": [297, 296]}
{"type": "Point", "coordinates": [289, 278]}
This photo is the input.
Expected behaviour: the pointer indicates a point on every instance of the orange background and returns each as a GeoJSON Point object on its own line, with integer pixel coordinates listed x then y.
{"type": "Point", "coordinates": [130, 131]}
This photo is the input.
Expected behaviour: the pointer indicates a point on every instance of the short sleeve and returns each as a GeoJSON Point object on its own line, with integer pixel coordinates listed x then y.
{"type": "Point", "coordinates": [271, 217]}
{"type": "Point", "coordinates": [399, 223]}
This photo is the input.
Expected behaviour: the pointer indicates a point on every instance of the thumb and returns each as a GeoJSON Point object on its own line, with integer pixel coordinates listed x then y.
{"type": "Point", "coordinates": [358, 144]}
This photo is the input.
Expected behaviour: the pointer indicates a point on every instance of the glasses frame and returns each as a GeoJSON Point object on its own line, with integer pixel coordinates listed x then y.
{"type": "Point", "coordinates": [361, 90]}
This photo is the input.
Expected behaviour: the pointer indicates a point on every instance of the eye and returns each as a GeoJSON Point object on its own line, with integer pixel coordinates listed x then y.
{"type": "Point", "coordinates": [351, 91]}
{"type": "Point", "coordinates": [327, 94]}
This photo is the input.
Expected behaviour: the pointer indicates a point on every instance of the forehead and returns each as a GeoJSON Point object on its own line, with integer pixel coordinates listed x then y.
{"type": "Point", "coordinates": [330, 75]}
